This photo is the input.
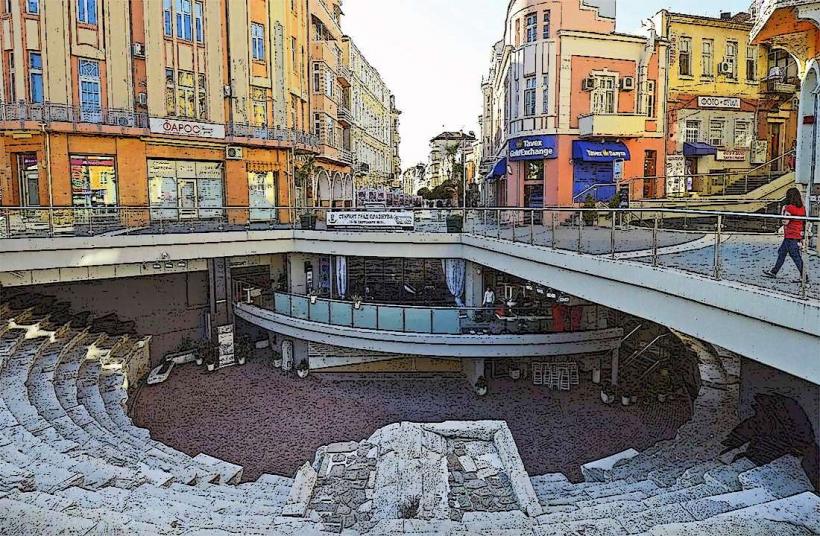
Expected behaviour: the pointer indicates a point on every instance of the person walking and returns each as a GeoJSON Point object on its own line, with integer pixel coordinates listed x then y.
{"type": "Point", "coordinates": [792, 234]}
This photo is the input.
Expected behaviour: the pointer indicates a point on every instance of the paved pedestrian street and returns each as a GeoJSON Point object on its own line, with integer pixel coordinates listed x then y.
{"type": "Point", "coordinates": [270, 422]}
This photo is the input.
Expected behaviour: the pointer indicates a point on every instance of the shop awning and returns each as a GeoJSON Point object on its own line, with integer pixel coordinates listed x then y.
{"type": "Point", "coordinates": [498, 170]}
{"type": "Point", "coordinates": [698, 149]}
{"type": "Point", "coordinates": [599, 151]}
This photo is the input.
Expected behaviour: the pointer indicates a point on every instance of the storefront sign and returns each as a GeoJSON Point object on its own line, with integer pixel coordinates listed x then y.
{"type": "Point", "coordinates": [719, 102]}
{"type": "Point", "coordinates": [174, 127]}
{"type": "Point", "coordinates": [760, 151]}
{"type": "Point", "coordinates": [675, 175]}
{"type": "Point", "coordinates": [726, 155]}
{"type": "Point", "coordinates": [372, 220]}
{"type": "Point", "coordinates": [226, 348]}
{"type": "Point", "coordinates": [533, 148]}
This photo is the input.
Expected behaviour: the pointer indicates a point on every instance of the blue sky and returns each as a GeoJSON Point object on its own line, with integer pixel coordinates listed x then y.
{"type": "Point", "coordinates": [433, 53]}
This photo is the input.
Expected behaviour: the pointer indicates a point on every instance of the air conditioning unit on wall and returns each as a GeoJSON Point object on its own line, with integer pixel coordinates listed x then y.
{"type": "Point", "coordinates": [627, 83]}
{"type": "Point", "coordinates": [139, 50]}
{"type": "Point", "coordinates": [725, 67]}
{"type": "Point", "coordinates": [588, 83]}
{"type": "Point", "coordinates": [142, 99]}
{"type": "Point", "coordinates": [233, 153]}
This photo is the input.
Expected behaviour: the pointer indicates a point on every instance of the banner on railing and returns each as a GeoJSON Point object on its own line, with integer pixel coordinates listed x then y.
{"type": "Point", "coordinates": [404, 220]}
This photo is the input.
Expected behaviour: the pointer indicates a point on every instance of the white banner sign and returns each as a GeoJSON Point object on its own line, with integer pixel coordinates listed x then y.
{"type": "Point", "coordinates": [226, 349]}
{"type": "Point", "coordinates": [719, 102]}
{"type": "Point", "coordinates": [724, 155]}
{"type": "Point", "coordinates": [372, 220]}
{"type": "Point", "coordinates": [174, 127]}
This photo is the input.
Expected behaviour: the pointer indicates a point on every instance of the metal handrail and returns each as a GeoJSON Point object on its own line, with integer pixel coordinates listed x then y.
{"type": "Point", "coordinates": [631, 359]}
{"type": "Point", "coordinates": [383, 304]}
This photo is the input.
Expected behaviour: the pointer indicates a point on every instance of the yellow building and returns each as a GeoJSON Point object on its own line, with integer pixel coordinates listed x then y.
{"type": "Point", "coordinates": [375, 118]}
{"type": "Point", "coordinates": [723, 110]}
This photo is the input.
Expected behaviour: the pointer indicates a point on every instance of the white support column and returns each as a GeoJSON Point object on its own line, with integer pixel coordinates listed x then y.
{"type": "Point", "coordinates": [615, 356]}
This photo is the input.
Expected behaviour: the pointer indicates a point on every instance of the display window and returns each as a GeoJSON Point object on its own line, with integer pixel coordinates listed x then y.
{"type": "Point", "coordinates": [185, 189]}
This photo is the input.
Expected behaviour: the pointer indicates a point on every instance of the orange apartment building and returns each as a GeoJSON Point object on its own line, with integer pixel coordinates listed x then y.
{"type": "Point", "coordinates": [181, 106]}
{"type": "Point", "coordinates": [571, 107]}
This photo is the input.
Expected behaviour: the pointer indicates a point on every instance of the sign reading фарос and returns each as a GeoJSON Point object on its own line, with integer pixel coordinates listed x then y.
{"type": "Point", "coordinates": [372, 220]}
{"type": "Point", "coordinates": [193, 129]}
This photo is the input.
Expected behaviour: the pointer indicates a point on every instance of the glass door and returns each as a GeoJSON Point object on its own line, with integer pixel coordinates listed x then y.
{"type": "Point", "coordinates": [262, 195]}
{"type": "Point", "coordinates": [29, 177]}
{"type": "Point", "coordinates": [187, 199]}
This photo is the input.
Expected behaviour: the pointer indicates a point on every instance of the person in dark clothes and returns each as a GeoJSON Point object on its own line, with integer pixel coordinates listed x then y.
{"type": "Point", "coordinates": [792, 234]}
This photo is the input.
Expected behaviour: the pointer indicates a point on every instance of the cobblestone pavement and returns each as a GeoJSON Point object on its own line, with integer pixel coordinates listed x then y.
{"type": "Point", "coordinates": [270, 422]}
{"type": "Point", "coordinates": [743, 259]}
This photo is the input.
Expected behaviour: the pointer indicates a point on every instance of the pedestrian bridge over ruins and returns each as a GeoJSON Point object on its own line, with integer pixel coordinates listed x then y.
{"type": "Point", "coordinates": [695, 280]}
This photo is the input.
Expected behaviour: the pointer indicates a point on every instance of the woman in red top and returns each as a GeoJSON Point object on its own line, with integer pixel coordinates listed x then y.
{"type": "Point", "coordinates": [792, 233]}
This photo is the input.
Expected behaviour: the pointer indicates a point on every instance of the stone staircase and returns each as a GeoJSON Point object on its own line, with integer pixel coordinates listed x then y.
{"type": "Point", "coordinates": [71, 460]}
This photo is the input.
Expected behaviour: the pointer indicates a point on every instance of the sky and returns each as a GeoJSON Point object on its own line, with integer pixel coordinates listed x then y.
{"type": "Point", "coordinates": [433, 53]}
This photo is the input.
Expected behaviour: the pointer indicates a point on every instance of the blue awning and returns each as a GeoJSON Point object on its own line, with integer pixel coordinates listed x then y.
{"type": "Point", "coordinates": [498, 170]}
{"type": "Point", "coordinates": [698, 149]}
{"type": "Point", "coordinates": [599, 151]}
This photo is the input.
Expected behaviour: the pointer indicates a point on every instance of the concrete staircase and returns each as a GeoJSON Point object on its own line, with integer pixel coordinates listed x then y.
{"type": "Point", "coordinates": [71, 460]}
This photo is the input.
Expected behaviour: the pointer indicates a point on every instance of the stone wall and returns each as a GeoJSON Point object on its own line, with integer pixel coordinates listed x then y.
{"type": "Point", "coordinates": [166, 307]}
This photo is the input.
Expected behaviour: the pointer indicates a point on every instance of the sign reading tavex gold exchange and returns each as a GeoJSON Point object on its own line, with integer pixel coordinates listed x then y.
{"type": "Point", "coordinates": [194, 129]}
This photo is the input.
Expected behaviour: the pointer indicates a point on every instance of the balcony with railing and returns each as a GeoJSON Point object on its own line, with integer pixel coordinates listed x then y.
{"type": "Point", "coordinates": [345, 116]}
{"type": "Point", "coordinates": [446, 331]}
{"type": "Point", "coordinates": [297, 138]}
{"type": "Point", "coordinates": [69, 116]}
{"type": "Point", "coordinates": [617, 125]}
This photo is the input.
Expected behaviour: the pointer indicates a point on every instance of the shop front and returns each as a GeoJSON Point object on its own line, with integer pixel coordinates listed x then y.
{"type": "Point", "coordinates": [529, 156]}
{"type": "Point", "coordinates": [594, 165]}
{"type": "Point", "coordinates": [185, 190]}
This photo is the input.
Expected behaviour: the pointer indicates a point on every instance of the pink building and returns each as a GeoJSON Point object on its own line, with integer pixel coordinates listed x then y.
{"type": "Point", "coordinates": [571, 108]}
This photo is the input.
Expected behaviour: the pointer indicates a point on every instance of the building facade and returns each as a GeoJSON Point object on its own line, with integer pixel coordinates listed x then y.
{"type": "Point", "coordinates": [375, 121]}
{"type": "Point", "coordinates": [794, 27]}
{"type": "Point", "coordinates": [178, 106]}
{"type": "Point", "coordinates": [570, 106]}
{"type": "Point", "coordinates": [730, 103]}
{"type": "Point", "coordinates": [447, 152]}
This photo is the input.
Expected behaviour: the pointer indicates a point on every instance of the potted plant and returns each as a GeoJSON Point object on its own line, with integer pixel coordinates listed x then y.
{"type": "Point", "coordinates": [313, 296]}
{"type": "Point", "coordinates": [357, 301]}
{"type": "Point", "coordinates": [302, 369]}
{"type": "Point", "coordinates": [201, 348]}
{"type": "Point", "coordinates": [515, 373]}
{"type": "Point", "coordinates": [608, 392]}
{"type": "Point", "coordinates": [481, 386]}
{"type": "Point", "coordinates": [243, 349]}
{"type": "Point", "coordinates": [209, 356]}
{"type": "Point", "coordinates": [455, 223]}
{"type": "Point", "coordinates": [277, 359]}
{"type": "Point", "coordinates": [626, 393]}
{"type": "Point", "coordinates": [589, 216]}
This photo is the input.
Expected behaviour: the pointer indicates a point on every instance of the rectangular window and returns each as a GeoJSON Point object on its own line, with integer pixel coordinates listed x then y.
{"type": "Point", "coordinates": [185, 189]}
{"type": "Point", "coordinates": [167, 18]}
{"type": "Point", "coordinates": [11, 90]}
{"type": "Point", "coordinates": [532, 27]}
{"type": "Point", "coordinates": [317, 124]}
{"type": "Point", "coordinates": [692, 131]}
{"type": "Point", "coordinates": [186, 95]}
{"type": "Point", "coordinates": [331, 131]}
{"type": "Point", "coordinates": [293, 47]}
{"type": "Point", "coordinates": [545, 94]}
{"type": "Point", "coordinates": [529, 96]}
{"type": "Point", "coordinates": [328, 82]}
{"type": "Point", "coordinates": [742, 138]}
{"type": "Point", "coordinates": [716, 132]}
{"type": "Point", "coordinates": [259, 103]}
{"type": "Point", "coordinates": [93, 181]}
{"type": "Point", "coordinates": [751, 64]}
{"type": "Point", "coordinates": [257, 42]}
{"type": "Point", "coordinates": [184, 19]}
{"type": "Point", "coordinates": [87, 11]}
{"type": "Point", "coordinates": [707, 58]}
{"type": "Point", "coordinates": [546, 31]}
{"type": "Point", "coordinates": [202, 96]}
{"type": "Point", "coordinates": [603, 96]}
{"type": "Point", "coordinates": [650, 98]}
{"type": "Point", "coordinates": [731, 59]}
{"type": "Point", "coordinates": [685, 57]}
{"type": "Point", "coordinates": [317, 78]}
{"type": "Point", "coordinates": [170, 93]}
{"type": "Point", "coordinates": [35, 66]}
{"type": "Point", "coordinates": [199, 23]}
{"type": "Point", "coordinates": [90, 103]}
{"type": "Point", "coordinates": [32, 7]}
